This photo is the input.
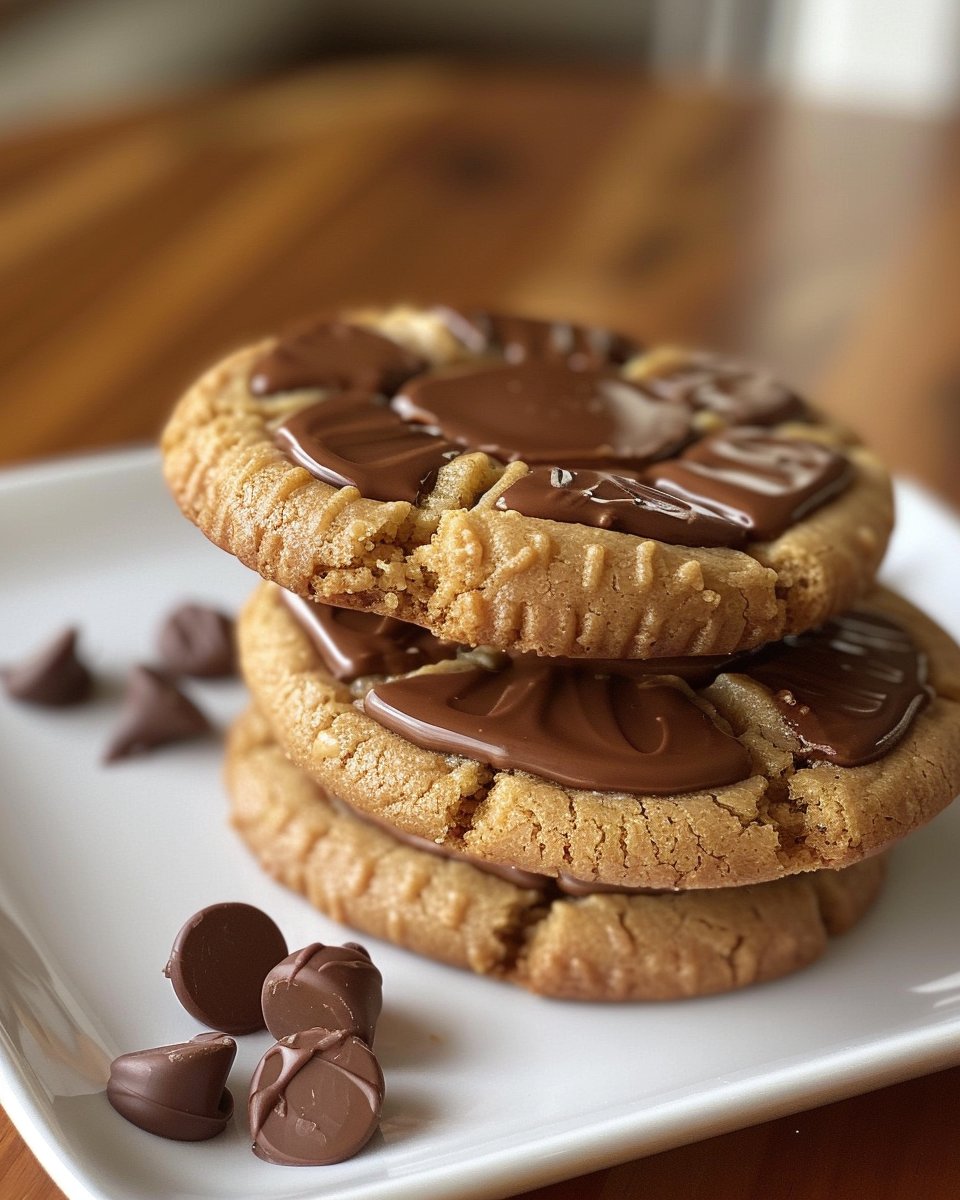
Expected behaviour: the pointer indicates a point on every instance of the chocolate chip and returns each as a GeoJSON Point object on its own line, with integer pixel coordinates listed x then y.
{"type": "Point", "coordinates": [53, 676]}
{"type": "Point", "coordinates": [324, 987]}
{"type": "Point", "coordinates": [315, 1099]}
{"type": "Point", "coordinates": [176, 1091]}
{"type": "Point", "coordinates": [219, 962]}
{"type": "Point", "coordinates": [197, 640]}
{"type": "Point", "coordinates": [154, 713]}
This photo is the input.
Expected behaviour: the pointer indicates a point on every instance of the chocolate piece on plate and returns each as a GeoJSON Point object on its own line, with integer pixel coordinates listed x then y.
{"type": "Point", "coordinates": [52, 676]}
{"type": "Point", "coordinates": [218, 964]}
{"type": "Point", "coordinates": [176, 1091]}
{"type": "Point", "coordinates": [197, 640]}
{"type": "Point", "coordinates": [155, 712]}
{"type": "Point", "coordinates": [324, 987]}
{"type": "Point", "coordinates": [315, 1099]}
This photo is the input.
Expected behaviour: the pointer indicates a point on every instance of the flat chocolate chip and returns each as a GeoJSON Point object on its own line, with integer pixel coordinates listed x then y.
{"type": "Point", "coordinates": [155, 712]}
{"type": "Point", "coordinates": [176, 1091]}
{"type": "Point", "coordinates": [315, 1099]}
{"type": "Point", "coordinates": [197, 640]}
{"type": "Point", "coordinates": [218, 964]}
{"type": "Point", "coordinates": [324, 987]}
{"type": "Point", "coordinates": [52, 677]}
{"type": "Point", "coordinates": [333, 354]}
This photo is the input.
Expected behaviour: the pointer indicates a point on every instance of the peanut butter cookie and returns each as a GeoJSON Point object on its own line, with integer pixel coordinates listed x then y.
{"type": "Point", "coordinates": [529, 485]}
{"type": "Point", "coordinates": [605, 946]}
{"type": "Point", "coordinates": [808, 754]}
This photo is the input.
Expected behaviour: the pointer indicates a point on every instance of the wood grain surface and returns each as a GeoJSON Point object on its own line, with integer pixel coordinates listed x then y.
{"type": "Point", "coordinates": [135, 249]}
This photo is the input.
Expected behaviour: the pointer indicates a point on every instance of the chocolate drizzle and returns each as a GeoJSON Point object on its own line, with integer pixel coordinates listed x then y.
{"type": "Point", "coordinates": [333, 354]}
{"type": "Point", "coordinates": [578, 728]}
{"type": "Point", "coordinates": [734, 391]}
{"type": "Point", "coordinates": [551, 394]}
{"type": "Point", "coordinates": [607, 501]}
{"type": "Point", "coordinates": [849, 690]}
{"type": "Point", "coordinates": [355, 440]}
{"type": "Point", "coordinates": [517, 339]}
{"type": "Point", "coordinates": [545, 412]}
{"type": "Point", "coordinates": [315, 1098]}
{"type": "Point", "coordinates": [353, 644]}
{"type": "Point", "coordinates": [761, 482]}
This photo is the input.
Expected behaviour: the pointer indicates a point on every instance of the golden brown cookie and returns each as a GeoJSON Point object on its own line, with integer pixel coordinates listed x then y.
{"type": "Point", "coordinates": [788, 809]}
{"type": "Point", "coordinates": [598, 947]}
{"type": "Point", "coordinates": [478, 548]}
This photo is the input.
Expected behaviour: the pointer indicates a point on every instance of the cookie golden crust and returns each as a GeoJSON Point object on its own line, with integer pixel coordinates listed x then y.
{"type": "Point", "coordinates": [600, 947]}
{"type": "Point", "coordinates": [470, 572]}
{"type": "Point", "coordinates": [785, 818]}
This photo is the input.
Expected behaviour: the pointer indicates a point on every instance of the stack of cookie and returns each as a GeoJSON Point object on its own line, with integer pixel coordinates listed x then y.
{"type": "Point", "coordinates": [570, 668]}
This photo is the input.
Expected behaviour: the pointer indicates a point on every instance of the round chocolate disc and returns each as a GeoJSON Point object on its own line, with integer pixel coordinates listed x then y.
{"type": "Point", "coordinates": [219, 962]}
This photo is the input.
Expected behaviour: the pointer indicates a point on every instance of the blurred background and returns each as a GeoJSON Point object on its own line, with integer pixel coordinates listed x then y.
{"type": "Point", "coordinates": [774, 177]}
{"type": "Point", "coordinates": [68, 55]}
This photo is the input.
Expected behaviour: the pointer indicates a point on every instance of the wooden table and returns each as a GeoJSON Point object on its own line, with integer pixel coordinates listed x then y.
{"type": "Point", "coordinates": [134, 249]}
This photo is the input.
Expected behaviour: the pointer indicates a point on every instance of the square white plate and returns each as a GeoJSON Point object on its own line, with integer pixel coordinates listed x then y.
{"type": "Point", "coordinates": [490, 1090]}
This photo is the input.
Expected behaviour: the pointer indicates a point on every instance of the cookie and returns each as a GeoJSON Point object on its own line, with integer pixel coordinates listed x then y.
{"type": "Point", "coordinates": [529, 485]}
{"type": "Point", "coordinates": [808, 755]}
{"type": "Point", "coordinates": [606, 946]}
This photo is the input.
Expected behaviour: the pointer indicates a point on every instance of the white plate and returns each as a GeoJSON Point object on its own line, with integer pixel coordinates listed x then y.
{"type": "Point", "coordinates": [490, 1090]}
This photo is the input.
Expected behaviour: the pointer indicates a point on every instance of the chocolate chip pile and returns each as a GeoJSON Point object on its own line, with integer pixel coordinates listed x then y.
{"type": "Point", "coordinates": [193, 640]}
{"type": "Point", "coordinates": [316, 1094]}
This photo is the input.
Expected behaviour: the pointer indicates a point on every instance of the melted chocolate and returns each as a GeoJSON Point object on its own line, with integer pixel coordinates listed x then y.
{"type": "Point", "coordinates": [517, 339]}
{"type": "Point", "coordinates": [353, 440]}
{"type": "Point", "coordinates": [849, 690]}
{"type": "Point", "coordinates": [556, 401]}
{"type": "Point", "coordinates": [607, 501]}
{"type": "Point", "coordinates": [353, 644]}
{"type": "Point", "coordinates": [762, 482]}
{"type": "Point", "coordinates": [333, 354]}
{"type": "Point", "coordinates": [315, 1098]}
{"type": "Point", "coordinates": [738, 393]}
{"type": "Point", "coordinates": [545, 412]}
{"type": "Point", "coordinates": [580, 729]}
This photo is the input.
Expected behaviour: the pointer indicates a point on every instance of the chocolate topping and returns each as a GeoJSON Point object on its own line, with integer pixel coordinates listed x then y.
{"type": "Point", "coordinates": [176, 1091]}
{"type": "Point", "coordinates": [354, 440]}
{"type": "Point", "coordinates": [52, 677]}
{"type": "Point", "coordinates": [155, 712]}
{"type": "Point", "coordinates": [352, 644]}
{"type": "Point", "coordinates": [315, 1099]}
{"type": "Point", "coordinates": [738, 393]}
{"type": "Point", "coordinates": [762, 482]}
{"type": "Point", "coordinates": [581, 729]}
{"type": "Point", "coordinates": [197, 640]}
{"type": "Point", "coordinates": [333, 354]}
{"type": "Point", "coordinates": [849, 690]}
{"type": "Point", "coordinates": [554, 400]}
{"type": "Point", "coordinates": [607, 501]}
{"type": "Point", "coordinates": [219, 962]}
{"type": "Point", "coordinates": [520, 338]}
{"type": "Point", "coordinates": [545, 412]}
{"type": "Point", "coordinates": [324, 987]}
